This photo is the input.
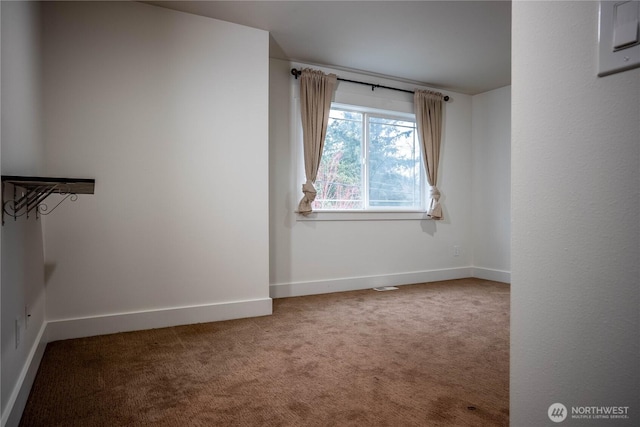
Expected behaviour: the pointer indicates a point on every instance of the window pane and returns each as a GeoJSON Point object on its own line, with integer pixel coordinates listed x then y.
{"type": "Point", "coordinates": [394, 164]}
{"type": "Point", "coordinates": [394, 122]}
{"type": "Point", "coordinates": [339, 180]}
{"type": "Point", "coordinates": [392, 167]}
{"type": "Point", "coordinates": [345, 115]}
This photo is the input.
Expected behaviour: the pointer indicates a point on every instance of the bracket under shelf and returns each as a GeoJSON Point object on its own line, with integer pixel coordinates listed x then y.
{"type": "Point", "coordinates": [36, 189]}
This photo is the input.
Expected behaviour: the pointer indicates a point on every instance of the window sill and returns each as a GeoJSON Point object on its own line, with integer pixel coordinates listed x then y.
{"type": "Point", "coordinates": [362, 216]}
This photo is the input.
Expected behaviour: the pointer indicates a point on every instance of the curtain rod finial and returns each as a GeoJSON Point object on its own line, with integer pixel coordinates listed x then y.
{"type": "Point", "coordinates": [295, 73]}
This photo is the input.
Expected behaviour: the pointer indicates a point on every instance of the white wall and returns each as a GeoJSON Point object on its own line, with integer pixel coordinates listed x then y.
{"type": "Point", "coordinates": [575, 317]}
{"type": "Point", "coordinates": [169, 113]}
{"type": "Point", "coordinates": [22, 250]}
{"type": "Point", "coordinates": [324, 256]}
{"type": "Point", "coordinates": [491, 183]}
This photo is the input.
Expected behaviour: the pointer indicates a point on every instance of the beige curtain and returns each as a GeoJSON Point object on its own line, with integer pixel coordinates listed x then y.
{"type": "Point", "coordinates": [428, 109]}
{"type": "Point", "coordinates": [316, 91]}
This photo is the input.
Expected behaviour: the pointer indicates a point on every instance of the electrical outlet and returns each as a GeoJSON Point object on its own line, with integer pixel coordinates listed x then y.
{"type": "Point", "coordinates": [456, 251]}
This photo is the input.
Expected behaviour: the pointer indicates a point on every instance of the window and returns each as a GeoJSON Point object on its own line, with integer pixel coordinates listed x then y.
{"type": "Point", "coordinates": [371, 162]}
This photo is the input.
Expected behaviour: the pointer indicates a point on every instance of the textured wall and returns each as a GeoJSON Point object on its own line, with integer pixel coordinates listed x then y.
{"type": "Point", "coordinates": [575, 219]}
{"type": "Point", "coordinates": [169, 113]}
{"type": "Point", "coordinates": [303, 251]}
{"type": "Point", "coordinates": [22, 154]}
{"type": "Point", "coordinates": [491, 136]}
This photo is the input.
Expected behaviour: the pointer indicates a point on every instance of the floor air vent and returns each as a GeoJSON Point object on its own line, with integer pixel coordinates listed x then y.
{"type": "Point", "coordinates": [385, 288]}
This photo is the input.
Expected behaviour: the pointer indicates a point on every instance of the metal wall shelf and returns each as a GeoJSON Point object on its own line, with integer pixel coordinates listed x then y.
{"type": "Point", "coordinates": [36, 189]}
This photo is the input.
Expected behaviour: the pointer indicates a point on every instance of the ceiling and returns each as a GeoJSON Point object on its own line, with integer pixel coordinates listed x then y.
{"type": "Point", "coordinates": [463, 46]}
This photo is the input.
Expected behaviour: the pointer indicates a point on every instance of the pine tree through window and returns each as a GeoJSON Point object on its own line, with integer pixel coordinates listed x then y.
{"type": "Point", "coordinates": [371, 161]}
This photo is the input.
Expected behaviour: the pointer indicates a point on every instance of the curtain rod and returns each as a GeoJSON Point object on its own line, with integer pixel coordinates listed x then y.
{"type": "Point", "coordinates": [296, 73]}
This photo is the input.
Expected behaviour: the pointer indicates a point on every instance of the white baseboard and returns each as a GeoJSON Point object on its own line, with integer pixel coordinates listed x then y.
{"type": "Point", "coordinates": [284, 290]}
{"type": "Point", "coordinates": [490, 274]}
{"type": "Point", "coordinates": [55, 330]}
{"type": "Point", "coordinates": [152, 319]}
{"type": "Point", "coordinates": [18, 399]}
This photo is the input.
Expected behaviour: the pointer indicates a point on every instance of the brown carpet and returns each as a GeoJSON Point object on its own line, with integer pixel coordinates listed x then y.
{"type": "Point", "coordinates": [425, 355]}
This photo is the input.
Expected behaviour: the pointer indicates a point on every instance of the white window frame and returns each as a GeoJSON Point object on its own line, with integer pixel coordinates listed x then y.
{"type": "Point", "coordinates": [370, 213]}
